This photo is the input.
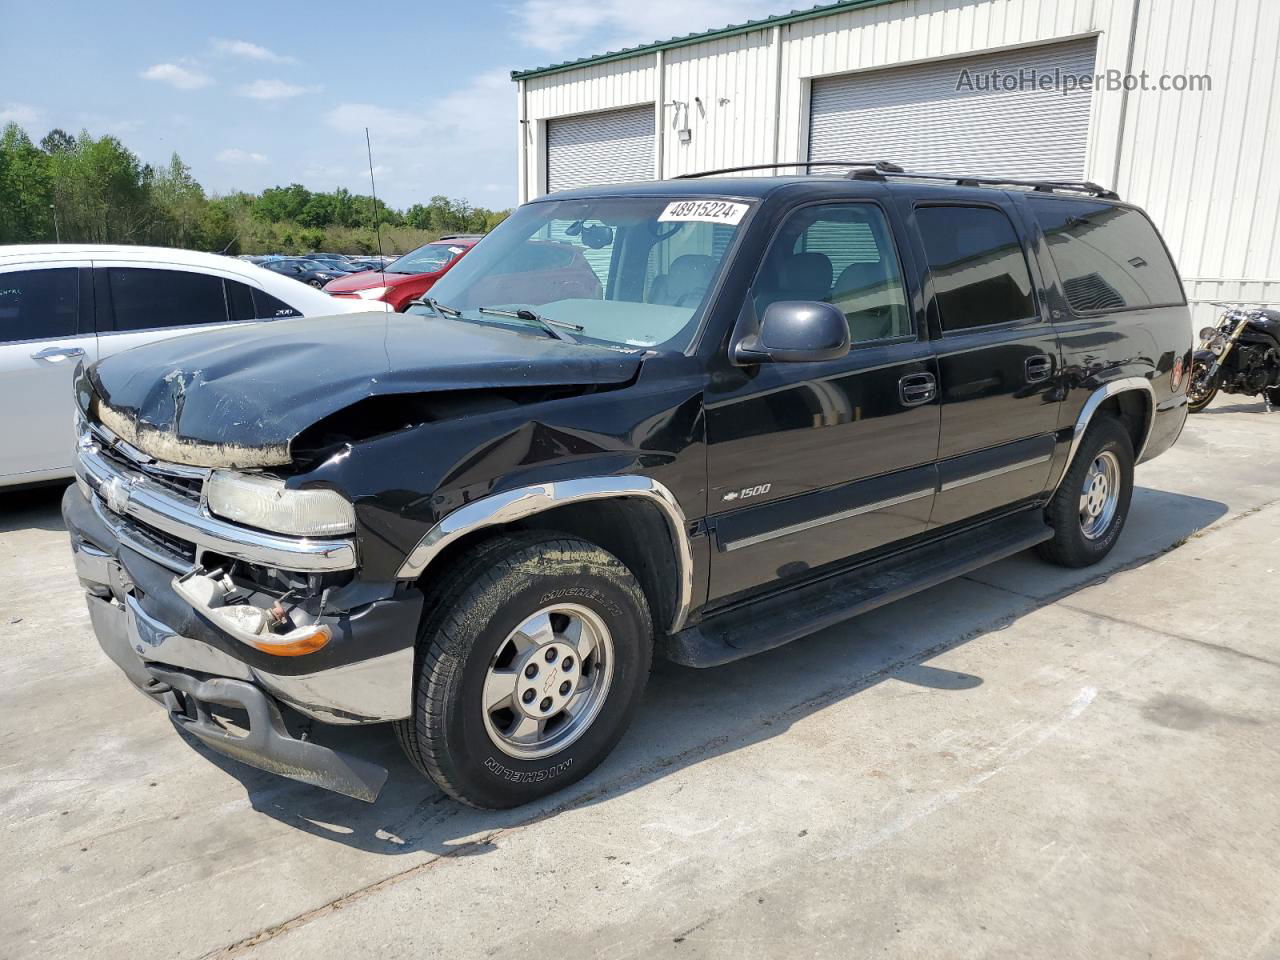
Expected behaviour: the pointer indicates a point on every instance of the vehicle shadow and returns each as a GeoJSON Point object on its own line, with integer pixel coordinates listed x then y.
{"type": "Point", "coordinates": [32, 508]}
{"type": "Point", "coordinates": [691, 716]}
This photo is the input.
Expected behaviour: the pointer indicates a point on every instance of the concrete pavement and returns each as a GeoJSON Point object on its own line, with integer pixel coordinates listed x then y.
{"type": "Point", "coordinates": [1026, 762]}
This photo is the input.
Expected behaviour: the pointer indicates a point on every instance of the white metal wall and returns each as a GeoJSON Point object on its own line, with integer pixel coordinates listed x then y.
{"type": "Point", "coordinates": [723, 91]}
{"type": "Point", "coordinates": [1207, 166]}
{"type": "Point", "coordinates": [1197, 162]}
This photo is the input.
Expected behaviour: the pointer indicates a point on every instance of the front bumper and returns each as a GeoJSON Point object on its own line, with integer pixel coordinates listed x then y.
{"type": "Point", "coordinates": [183, 660]}
{"type": "Point", "coordinates": [266, 744]}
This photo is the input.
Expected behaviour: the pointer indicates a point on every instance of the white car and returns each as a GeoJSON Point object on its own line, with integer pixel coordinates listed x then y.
{"type": "Point", "coordinates": [65, 303]}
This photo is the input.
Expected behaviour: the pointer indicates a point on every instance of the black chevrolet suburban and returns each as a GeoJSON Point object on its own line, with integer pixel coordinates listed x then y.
{"type": "Point", "coordinates": [693, 419]}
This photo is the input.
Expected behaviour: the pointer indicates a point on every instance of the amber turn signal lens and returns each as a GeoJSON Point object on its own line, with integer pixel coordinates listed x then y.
{"type": "Point", "coordinates": [298, 643]}
{"type": "Point", "coordinates": [1179, 368]}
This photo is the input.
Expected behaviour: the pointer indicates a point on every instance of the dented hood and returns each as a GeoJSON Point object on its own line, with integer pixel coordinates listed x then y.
{"type": "Point", "coordinates": [238, 396]}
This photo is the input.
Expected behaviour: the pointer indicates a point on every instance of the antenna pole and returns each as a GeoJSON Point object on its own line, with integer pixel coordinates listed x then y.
{"type": "Point", "coordinates": [377, 221]}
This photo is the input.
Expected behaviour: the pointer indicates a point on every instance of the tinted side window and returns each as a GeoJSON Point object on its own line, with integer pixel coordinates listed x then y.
{"type": "Point", "coordinates": [979, 271]}
{"type": "Point", "coordinates": [267, 307]}
{"type": "Point", "coordinates": [843, 254]}
{"type": "Point", "coordinates": [39, 304]}
{"type": "Point", "coordinates": [143, 299]}
{"type": "Point", "coordinates": [1109, 257]}
{"type": "Point", "coordinates": [250, 304]}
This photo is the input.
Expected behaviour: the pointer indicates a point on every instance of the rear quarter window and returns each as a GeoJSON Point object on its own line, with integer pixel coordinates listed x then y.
{"type": "Point", "coordinates": [1108, 257]}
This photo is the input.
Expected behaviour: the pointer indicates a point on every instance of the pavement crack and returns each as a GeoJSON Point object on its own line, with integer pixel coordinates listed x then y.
{"type": "Point", "coordinates": [1185, 638]}
{"type": "Point", "coordinates": [240, 947]}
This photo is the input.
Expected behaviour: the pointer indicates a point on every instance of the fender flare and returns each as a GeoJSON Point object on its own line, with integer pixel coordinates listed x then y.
{"type": "Point", "coordinates": [1105, 392]}
{"type": "Point", "coordinates": [512, 505]}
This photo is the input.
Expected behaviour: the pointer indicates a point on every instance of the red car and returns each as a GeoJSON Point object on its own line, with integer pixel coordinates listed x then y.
{"type": "Point", "coordinates": [406, 279]}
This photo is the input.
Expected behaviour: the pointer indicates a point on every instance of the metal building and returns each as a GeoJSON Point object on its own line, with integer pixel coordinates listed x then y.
{"type": "Point", "coordinates": [903, 80]}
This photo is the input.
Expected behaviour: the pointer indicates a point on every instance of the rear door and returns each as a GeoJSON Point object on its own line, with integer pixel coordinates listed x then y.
{"type": "Point", "coordinates": [46, 329]}
{"type": "Point", "coordinates": [813, 463]}
{"type": "Point", "coordinates": [999, 365]}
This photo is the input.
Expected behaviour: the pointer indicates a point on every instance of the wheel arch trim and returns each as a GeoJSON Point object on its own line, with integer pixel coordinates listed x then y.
{"type": "Point", "coordinates": [1101, 394]}
{"type": "Point", "coordinates": [512, 505]}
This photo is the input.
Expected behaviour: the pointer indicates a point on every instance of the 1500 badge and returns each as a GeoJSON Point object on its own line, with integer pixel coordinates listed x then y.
{"type": "Point", "coordinates": [747, 493]}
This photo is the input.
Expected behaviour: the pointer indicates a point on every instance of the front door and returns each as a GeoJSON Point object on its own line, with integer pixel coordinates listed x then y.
{"type": "Point", "coordinates": [44, 333]}
{"type": "Point", "coordinates": [998, 361]}
{"type": "Point", "coordinates": [812, 463]}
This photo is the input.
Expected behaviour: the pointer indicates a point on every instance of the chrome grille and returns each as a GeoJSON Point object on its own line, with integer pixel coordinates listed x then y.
{"type": "Point", "coordinates": [186, 482]}
{"type": "Point", "coordinates": [158, 509]}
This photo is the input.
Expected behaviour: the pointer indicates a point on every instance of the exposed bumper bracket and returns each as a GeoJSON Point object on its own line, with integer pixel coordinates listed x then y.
{"type": "Point", "coordinates": [268, 745]}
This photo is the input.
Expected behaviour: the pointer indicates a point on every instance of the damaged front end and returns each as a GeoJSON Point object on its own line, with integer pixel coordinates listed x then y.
{"type": "Point", "coordinates": [203, 614]}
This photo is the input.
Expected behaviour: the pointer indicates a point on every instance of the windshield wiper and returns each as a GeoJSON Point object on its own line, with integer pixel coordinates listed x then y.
{"type": "Point", "coordinates": [443, 309]}
{"type": "Point", "coordinates": [546, 323]}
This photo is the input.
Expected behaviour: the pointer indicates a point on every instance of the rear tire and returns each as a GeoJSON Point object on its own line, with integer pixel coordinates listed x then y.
{"type": "Point", "coordinates": [1092, 503]}
{"type": "Point", "coordinates": [517, 611]}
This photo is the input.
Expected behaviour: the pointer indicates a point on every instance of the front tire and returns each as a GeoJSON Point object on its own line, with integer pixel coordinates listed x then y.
{"type": "Point", "coordinates": [1201, 388]}
{"type": "Point", "coordinates": [531, 674]}
{"type": "Point", "coordinates": [1092, 503]}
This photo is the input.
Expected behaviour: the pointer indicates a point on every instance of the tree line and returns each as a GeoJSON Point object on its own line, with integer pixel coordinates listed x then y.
{"type": "Point", "coordinates": [89, 189]}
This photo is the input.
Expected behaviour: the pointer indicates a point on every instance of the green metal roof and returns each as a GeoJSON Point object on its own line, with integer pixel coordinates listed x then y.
{"type": "Point", "coordinates": [795, 16]}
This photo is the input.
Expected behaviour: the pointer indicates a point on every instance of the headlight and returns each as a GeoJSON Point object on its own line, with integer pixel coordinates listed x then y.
{"type": "Point", "coordinates": [265, 503]}
{"type": "Point", "coordinates": [373, 293]}
{"type": "Point", "coordinates": [1208, 333]}
{"type": "Point", "coordinates": [1217, 345]}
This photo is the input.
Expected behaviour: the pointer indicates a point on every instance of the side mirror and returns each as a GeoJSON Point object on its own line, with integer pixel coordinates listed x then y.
{"type": "Point", "coordinates": [796, 331]}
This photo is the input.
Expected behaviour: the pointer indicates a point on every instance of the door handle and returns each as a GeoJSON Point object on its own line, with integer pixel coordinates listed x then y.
{"type": "Point", "coordinates": [917, 388]}
{"type": "Point", "coordinates": [57, 354]}
{"type": "Point", "coordinates": [1038, 368]}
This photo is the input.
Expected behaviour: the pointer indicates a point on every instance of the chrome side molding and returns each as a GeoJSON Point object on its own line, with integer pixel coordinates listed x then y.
{"type": "Point", "coordinates": [512, 505]}
{"type": "Point", "coordinates": [825, 519]}
{"type": "Point", "coordinates": [998, 471]}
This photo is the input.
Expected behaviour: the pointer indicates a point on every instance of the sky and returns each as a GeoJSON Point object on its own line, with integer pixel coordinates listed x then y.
{"type": "Point", "coordinates": [257, 94]}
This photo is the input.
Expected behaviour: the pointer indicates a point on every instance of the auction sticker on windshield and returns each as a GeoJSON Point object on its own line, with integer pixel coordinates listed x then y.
{"type": "Point", "coordinates": [705, 211]}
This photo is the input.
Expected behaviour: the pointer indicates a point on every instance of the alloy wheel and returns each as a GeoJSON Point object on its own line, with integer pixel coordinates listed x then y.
{"type": "Point", "coordinates": [547, 681]}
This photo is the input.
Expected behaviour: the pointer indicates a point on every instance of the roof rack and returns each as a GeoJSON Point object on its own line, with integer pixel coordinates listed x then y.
{"type": "Point", "coordinates": [881, 169]}
{"type": "Point", "coordinates": [774, 166]}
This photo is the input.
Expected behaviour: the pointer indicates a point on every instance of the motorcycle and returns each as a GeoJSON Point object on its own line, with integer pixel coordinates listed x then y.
{"type": "Point", "coordinates": [1241, 354]}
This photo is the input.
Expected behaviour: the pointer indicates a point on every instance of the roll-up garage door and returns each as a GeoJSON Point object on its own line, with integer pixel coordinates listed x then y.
{"type": "Point", "coordinates": [916, 116]}
{"type": "Point", "coordinates": [607, 147]}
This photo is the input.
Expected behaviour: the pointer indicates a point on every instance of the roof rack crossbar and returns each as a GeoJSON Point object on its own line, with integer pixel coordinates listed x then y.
{"type": "Point", "coordinates": [879, 169]}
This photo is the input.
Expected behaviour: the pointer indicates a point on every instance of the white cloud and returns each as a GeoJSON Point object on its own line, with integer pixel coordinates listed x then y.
{"type": "Point", "coordinates": [465, 136]}
{"type": "Point", "coordinates": [249, 51]}
{"type": "Point", "coordinates": [237, 156]}
{"type": "Point", "coordinates": [566, 26]}
{"type": "Point", "coordinates": [184, 78]}
{"type": "Point", "coordinates": [19, 113]}
{"type": "Point", "coordinates": [272, 90]}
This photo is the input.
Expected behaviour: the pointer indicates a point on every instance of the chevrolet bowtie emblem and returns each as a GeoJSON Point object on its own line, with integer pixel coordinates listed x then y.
{"type": "Point", "coordinates": [116, 492]}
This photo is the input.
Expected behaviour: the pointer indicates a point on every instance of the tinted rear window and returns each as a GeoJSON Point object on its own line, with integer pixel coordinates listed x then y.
{"type": "Point", "coordinates": [1109, 257]}
{"type": "Point", "coordinates": [38, 304]}
{"type": "Point", "coordinates": [979, 270]}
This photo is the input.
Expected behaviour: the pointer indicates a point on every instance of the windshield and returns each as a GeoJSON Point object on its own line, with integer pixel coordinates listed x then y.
{"type": "Point", "coordinates": [426, 259]}
{"type": "Point", "coordinates": [625, 270]}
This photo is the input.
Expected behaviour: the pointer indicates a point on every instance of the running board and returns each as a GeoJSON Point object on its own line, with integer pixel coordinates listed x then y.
{"type": "Point", "coordinates": [792, 614]}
